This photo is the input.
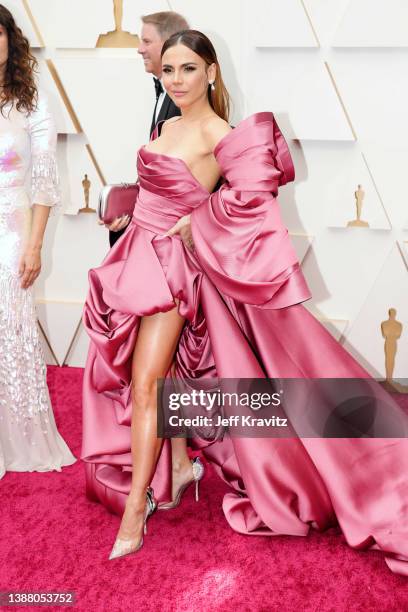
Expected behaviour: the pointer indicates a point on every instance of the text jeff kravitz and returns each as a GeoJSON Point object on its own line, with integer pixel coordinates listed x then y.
{"type": "Point", "coordinates": [231, 421]}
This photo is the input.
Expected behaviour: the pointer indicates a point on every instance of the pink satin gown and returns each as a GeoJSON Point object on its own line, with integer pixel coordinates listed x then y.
{"type": "Point", "coordinates": [241, 294]}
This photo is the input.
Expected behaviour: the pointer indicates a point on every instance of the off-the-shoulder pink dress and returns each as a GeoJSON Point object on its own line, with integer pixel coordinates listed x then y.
{"type": "Point", "coordinates": [240, 292]}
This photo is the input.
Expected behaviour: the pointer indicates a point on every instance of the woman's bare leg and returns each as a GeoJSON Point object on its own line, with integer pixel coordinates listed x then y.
{"type": "Point", "coordinates": [182, 470]}
{"type": "Point", "coordinates": [155, 346]}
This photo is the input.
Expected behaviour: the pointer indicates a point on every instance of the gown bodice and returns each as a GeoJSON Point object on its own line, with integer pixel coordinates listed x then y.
{"type": "Point", "coordinates": [27, 154]}
{"type": "Point", "coordinates": [15, 148]}
{"type": "Point", "coordinates": [167, 191]}
{"type": "Point", "coordinates": [28, 175]}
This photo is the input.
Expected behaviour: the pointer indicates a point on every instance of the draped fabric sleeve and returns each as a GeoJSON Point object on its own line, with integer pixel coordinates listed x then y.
{"type": "Point", "coordinates": [239, 237]}
{"type": "Point", "coordinates": [45, 189]}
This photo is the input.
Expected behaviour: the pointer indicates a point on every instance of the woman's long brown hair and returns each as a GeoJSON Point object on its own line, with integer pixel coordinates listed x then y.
{"type": "Point", "coordinates": [198, 42]}
{"type": "Point", "coordinates": [19, 85]}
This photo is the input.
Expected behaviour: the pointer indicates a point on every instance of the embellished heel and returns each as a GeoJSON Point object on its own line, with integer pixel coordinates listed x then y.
{"type": "Point", "coordinates": [198, 473]}
{"type": "Point", "coordinates": [126, 547]}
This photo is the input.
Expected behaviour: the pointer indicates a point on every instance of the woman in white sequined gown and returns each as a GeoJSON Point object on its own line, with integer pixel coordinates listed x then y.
{"type": "Point", "coordinates": [29, 440]}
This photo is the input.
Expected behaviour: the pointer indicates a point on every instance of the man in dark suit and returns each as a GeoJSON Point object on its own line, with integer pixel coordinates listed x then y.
{"type": "Point", "coordinates": [156, 29]}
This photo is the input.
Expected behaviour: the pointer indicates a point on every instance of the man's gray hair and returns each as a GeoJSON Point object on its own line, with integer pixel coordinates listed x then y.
{"type": "Point", "coordinates": [167, 23]}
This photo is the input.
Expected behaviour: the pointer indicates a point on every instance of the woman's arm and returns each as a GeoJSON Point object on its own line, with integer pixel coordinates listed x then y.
{"type": "Point", "coordinates": [45, 192]}
{"type": "Point", "coordinates": [30, 262]}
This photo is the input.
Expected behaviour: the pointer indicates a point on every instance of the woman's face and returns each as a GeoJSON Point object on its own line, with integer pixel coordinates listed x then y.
{"type": "Point", "coordinates": [185, 75]}
{"type": "Point", "coordinates": [3, 46]}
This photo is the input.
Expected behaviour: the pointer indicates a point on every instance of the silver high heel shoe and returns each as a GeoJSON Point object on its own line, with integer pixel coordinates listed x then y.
{"type": "Point", "coordinates": [198, 473]}
{"type": "Point", "coordinates": [126, 547]}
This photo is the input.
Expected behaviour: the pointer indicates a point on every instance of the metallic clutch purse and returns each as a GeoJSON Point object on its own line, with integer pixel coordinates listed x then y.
{"type": "Point", "coordinates": [116, 201]}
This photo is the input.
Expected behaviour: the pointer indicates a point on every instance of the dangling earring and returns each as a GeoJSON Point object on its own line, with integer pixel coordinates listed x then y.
{"type": "Point", "coordinates": [212, 85]}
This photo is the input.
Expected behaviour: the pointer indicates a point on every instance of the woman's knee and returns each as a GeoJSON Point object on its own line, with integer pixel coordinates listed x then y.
{"type": "Point", "coordinates": [144, 391]}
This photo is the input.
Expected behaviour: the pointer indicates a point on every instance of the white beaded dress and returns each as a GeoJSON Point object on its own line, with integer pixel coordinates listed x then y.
{"type": "Point", "coordinates": [29, 439]}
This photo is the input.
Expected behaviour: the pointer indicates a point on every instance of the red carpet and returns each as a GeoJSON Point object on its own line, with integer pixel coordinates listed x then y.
{"type": "Point", "coordinates": [54, 539]}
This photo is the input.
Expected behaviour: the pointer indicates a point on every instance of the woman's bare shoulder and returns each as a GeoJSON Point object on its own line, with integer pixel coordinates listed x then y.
{"type": "Point", "coordinates": [214, 129]}
{"type": "Point", "coordinates": [168, 122]}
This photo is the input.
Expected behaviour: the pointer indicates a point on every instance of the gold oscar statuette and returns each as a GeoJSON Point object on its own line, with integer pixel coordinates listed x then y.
{"type": "Point", "coordinates": [391, 331]}
{"type": "Point", "coordinates": [358, 222]}
{"type": "Point", "coordinates": [118, 38]}
{"type": "Point", "coordinates": [86, 184]}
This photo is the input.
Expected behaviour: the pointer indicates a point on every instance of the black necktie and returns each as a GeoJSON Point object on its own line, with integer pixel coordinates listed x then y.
{"type": "Point", "coordinates": [158, 87]}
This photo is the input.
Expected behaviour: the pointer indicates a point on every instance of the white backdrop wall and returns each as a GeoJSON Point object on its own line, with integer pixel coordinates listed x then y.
{"type": "Point", "coordinates": [334, 72]}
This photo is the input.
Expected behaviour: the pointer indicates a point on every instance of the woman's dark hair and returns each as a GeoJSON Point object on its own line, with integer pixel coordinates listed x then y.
{"type": "Point", "coordinates": [19, 85]}
{"type": "Point", "coordinates": [199, 43]}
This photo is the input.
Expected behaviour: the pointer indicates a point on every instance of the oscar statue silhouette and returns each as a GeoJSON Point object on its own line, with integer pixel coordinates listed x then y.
{"type": "Point", "coordinates": [359, 196]}
{"type": "Point", "coordinates": [86, 184]}
{"type": "Point", "coordinates": [391, 331]}
{"type": "Point", "coordinates": [118, 37]}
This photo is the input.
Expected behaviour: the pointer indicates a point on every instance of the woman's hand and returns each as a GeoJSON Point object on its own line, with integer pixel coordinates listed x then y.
{"type": "Point", "coordinates": [183, 227]}
{"type": "Point", "coordinates": [117, 224]}
{"type": "Point", "coordinates": [30, 266]}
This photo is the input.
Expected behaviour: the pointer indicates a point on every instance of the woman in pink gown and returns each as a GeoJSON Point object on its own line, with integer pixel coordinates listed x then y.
{"type": "Point", "coordinates": [206, 285]}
